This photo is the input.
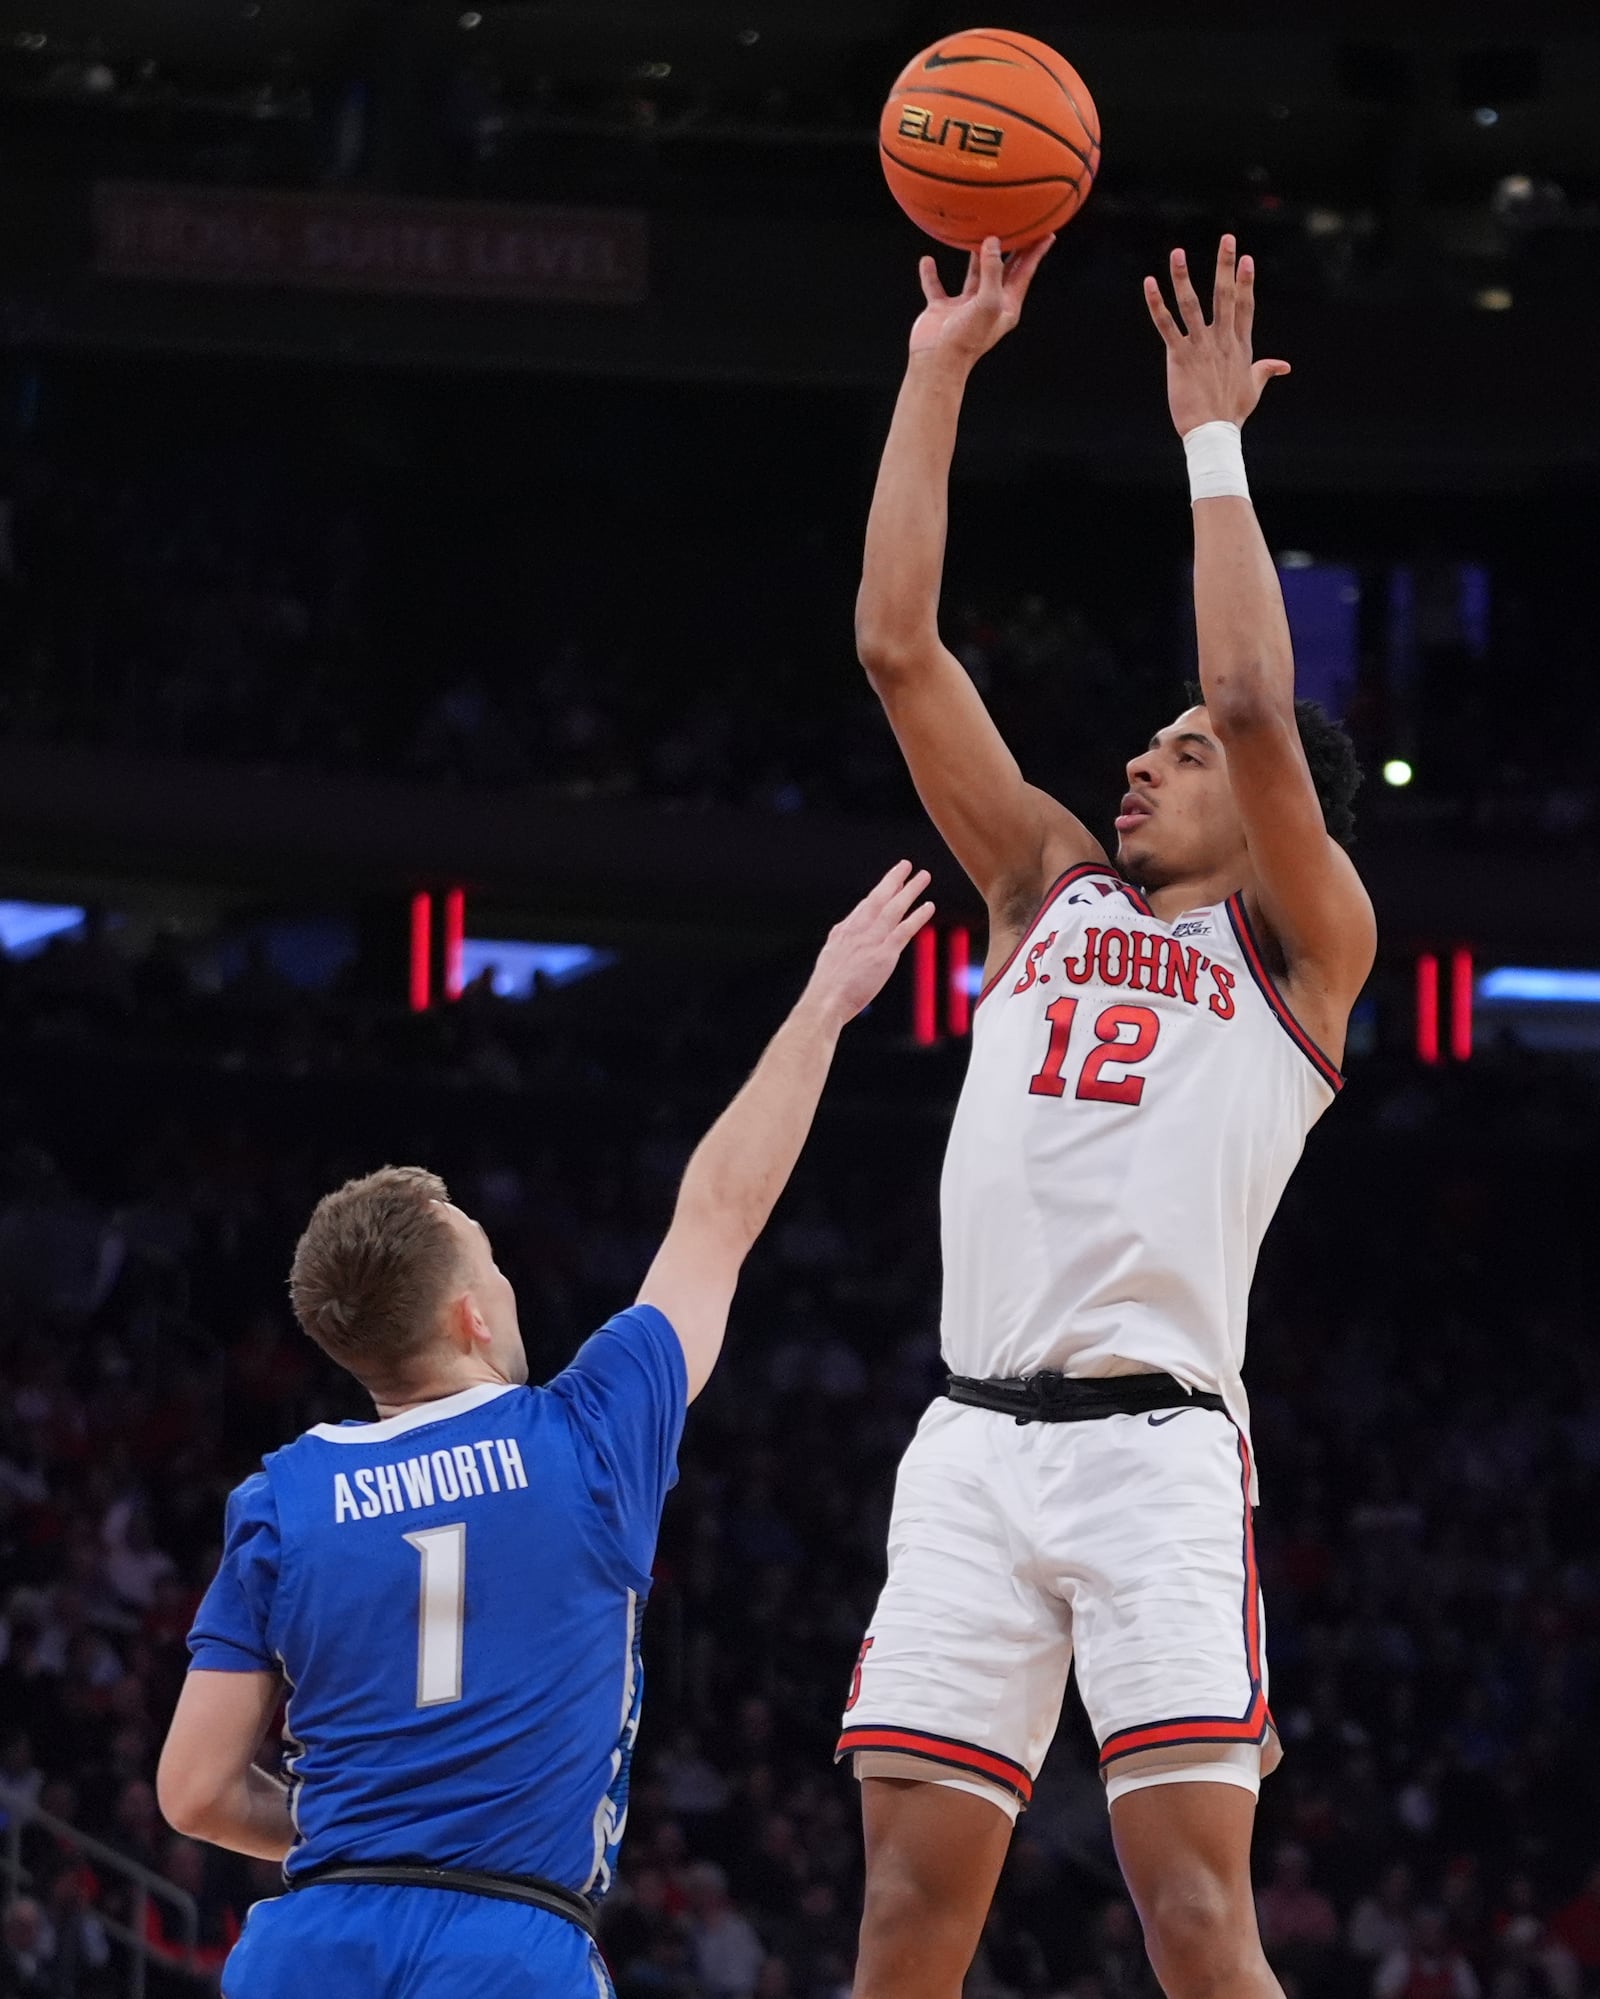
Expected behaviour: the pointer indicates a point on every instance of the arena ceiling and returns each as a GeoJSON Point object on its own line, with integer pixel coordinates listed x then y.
{"type": "Point", "coordinates": [1159, 62]}
{"type": "Point", "coordinates": [1355, 107]}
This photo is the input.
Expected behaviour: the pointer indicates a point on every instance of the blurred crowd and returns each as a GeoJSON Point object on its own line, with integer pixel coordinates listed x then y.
{"type": "Point", "coordinates": [1424, 1373]}
{"type": "Point", "coordinates": [245, 624]}
{"type": "Point", "coordinates": [265, 615]}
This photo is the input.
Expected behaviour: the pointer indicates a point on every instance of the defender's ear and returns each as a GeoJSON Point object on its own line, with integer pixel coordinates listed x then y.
{"type": "Point", "coordinates": [465, 1325]}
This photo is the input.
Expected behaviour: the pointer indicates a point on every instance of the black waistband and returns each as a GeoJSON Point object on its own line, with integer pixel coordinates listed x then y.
{"type": "Point", "coordinates": [530, 1888]}
{"type": "Point", "coordinates": [1048, 1397]}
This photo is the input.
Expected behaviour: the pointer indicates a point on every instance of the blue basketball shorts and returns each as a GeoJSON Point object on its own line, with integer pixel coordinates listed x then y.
{"type": "Point", "coordinates": [358, 1941]}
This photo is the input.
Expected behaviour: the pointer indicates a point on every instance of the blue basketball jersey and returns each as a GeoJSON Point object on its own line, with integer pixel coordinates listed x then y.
{"type": "Point", "coordinates": [453, 1596]}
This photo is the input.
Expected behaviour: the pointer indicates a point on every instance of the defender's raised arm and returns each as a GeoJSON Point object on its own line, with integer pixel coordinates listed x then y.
{"type": "Point", "coordinates": [743, 1163]}
{"type": "Point", "coordinates": [1010, 837]}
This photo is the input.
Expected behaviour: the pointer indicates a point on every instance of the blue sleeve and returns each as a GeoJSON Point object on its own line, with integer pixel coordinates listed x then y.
{"type": "Point", "coordinates": [626, 1391]}
{"type": "Point", "coordinates": [230, 1627]}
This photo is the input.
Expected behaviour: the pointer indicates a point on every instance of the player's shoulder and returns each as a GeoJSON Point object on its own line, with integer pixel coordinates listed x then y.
{"type": "Point", "coordinates": [640, 1324]}
{"type": "Point", "coordinates": [640, 1335]}
{"type": "Point", "coordinates": [253, 1502]}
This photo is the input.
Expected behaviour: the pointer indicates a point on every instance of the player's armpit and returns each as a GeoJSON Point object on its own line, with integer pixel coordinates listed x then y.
{"type": "Point", "coordinates": [1009, 836]}
{"type": "Point", "coordinates": [206, 1783]}
{"type": "Point", "coordinates": [1308, 893]}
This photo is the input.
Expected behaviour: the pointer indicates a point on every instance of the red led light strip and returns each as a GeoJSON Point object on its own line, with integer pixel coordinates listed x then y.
{"type": "Point", "coordinates": [925, 988]}
{"type": "Point", "coordinates": [959, 999]}
{"type": "Point", "coordinates": [421, 952]}
{"type": "Point", "coordinates": [1428, 1008]}
{"type": "Point", "coordinates": [455, 930]}
{"type": "Point", "coordinates": [1461, 1005]}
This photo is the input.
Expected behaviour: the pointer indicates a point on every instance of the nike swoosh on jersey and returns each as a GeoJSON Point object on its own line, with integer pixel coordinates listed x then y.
{"type": "Point", "coordinates": [1156, 1422]}
{"type": "Point", "coordinates": [937, 61]}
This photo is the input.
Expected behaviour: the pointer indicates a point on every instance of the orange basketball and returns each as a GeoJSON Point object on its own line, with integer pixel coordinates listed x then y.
{"type": "Point", "coordinates": [989, 133]}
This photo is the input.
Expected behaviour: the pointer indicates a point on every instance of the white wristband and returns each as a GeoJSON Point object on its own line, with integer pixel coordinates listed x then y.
{"type": "Point", "coordinates": [1215, 452]}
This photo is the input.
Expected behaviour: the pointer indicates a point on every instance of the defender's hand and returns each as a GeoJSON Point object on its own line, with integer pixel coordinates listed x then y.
{"type": "Point", "coordinates": [861, 952]}
{"type": "Point", "coordinates": [986, 308]}
{"type": "Point", "coordinates": [1210, 375]}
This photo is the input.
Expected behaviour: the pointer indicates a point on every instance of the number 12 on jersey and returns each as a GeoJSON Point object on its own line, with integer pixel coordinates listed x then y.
{"type": "Point", "coordinates": [1114, 1049]}
{"type": "Point", "coordinates": [441, 1612]}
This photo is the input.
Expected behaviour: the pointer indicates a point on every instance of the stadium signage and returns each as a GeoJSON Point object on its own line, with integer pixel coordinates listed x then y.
{"type": "Point", "coordinates": [369, 243]}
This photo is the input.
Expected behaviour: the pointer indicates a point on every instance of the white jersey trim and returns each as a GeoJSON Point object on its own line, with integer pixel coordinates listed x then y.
{"type": "Point", "coordinates": [411, 1419]}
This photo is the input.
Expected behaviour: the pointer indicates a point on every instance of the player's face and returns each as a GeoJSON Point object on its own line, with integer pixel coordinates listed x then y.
{"type": "Point", "coordinates": [491, 1294]}
{"type": "Point", "coordinates": [1178, 820]}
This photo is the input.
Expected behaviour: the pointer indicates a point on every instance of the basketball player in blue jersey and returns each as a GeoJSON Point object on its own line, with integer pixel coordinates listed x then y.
{"type": "Point", "coordinates": [450, 1595]}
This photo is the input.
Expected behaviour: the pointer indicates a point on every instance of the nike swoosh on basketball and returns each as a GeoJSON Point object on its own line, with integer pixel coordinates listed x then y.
{"type": "Point", "coordinates": [937, 61]}
{"type": "Point", "coordinates": [1156, 1422]}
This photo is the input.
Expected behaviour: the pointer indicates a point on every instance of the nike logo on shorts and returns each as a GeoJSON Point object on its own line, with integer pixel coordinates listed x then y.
{"type": "Point", "coordinates": [1156, 1422]}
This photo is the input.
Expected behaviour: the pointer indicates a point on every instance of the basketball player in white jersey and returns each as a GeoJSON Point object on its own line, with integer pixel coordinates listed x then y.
{"type": "Point", "coordinates": [1158, 1032]}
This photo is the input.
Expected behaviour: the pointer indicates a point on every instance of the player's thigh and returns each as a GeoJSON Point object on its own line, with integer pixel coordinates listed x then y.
{"type": "Point", "coordinates": [1184, 1851]}
{"type": "Point", "coordinates": [933, 1858]}
{"type": "Point", "coordinates": [966, 1659]}
{"type": "Point", "coordinates": [1160, 1570]}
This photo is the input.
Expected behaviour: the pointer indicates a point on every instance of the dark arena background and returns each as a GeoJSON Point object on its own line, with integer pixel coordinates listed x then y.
{"type": "Point", "coordinates": [434, 446]}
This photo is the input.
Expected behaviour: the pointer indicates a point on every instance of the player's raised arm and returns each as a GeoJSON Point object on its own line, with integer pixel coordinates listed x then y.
{"type": "Point", "coordinates": [1010, 837]}
{"type": "Point", "coordinates": [743, 1163]}
{"type": "Point", "coordinates": [1309, 892]}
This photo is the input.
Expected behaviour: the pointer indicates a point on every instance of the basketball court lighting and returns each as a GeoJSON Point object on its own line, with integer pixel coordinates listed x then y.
{"type": "Point", "coordinates": [26, 927]}
{"type": "Point", "coordinates": [517, 967]}
{"type": "Point", "coordinates": [1554, 985]}
{"type": "Point", "coordinates": [1397, 771]}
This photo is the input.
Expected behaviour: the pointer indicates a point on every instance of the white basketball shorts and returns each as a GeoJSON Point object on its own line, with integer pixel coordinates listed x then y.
{"type": "Point", "coordinates": [1125, 1543]}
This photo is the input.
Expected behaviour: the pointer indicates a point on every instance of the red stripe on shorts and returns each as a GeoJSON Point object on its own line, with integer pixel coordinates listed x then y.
{"type": "Point", "coordinates": [941, 1749]}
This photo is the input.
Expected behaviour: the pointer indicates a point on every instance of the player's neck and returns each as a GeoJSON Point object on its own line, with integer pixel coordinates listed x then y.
{"type": "Point", "coordinates": [1173, 899]}
{"type": "Point", "coordinates": [462, 1371]}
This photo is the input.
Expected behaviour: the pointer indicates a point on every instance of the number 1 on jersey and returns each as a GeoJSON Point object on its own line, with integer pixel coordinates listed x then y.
{"type": "Point", "coordinates": [1049, 1082]}
{"type": "Point", "coordinates": [441, 1612]}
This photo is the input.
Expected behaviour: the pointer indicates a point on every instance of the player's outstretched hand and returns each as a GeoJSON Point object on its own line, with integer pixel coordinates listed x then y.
{"type": "Point", "coordinates": [967, 324]}
{"type": "Point", "coordinates": [1210, 374]}
{"type": "Point", "coordinates": [863, 949]}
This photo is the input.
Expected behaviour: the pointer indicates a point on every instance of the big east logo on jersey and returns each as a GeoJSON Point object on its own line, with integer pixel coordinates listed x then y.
{"type": "Point", "coordinates": [1145, 961]}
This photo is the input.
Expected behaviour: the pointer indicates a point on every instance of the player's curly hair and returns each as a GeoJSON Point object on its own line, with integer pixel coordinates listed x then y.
{"type": "Point", "coordinates": [374, 1266]}
{"type": "Point", "coordinates": [1331, 755]}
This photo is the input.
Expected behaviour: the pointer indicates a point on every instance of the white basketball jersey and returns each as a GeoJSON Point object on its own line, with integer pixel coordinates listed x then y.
{"type": "Point", "coordinates": [1137, 1097]}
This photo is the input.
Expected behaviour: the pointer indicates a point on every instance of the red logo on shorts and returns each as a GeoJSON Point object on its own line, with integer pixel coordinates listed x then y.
{"type": "Point", "coordinates": [855, 1677]}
